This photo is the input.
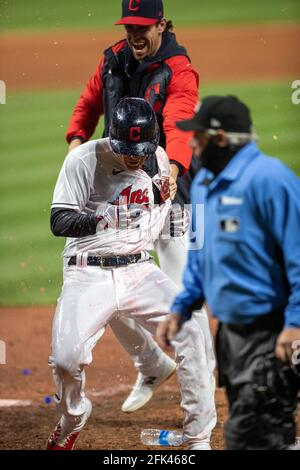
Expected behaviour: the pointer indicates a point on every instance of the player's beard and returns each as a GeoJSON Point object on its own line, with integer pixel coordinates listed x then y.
{"type": "Point", "coordinates": [216, 158]}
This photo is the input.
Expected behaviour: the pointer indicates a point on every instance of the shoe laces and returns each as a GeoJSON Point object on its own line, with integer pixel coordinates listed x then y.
{"type": "Point", "coordinates": [55, 435]}
{"type": "Point", "coordinates": [57, 440]}
{"type": "Point", "coordinates": [67, 439]}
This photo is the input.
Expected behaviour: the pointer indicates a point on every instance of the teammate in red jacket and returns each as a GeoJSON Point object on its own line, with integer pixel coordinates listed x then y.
{"type": "Point", "coordinates": [148, 64]}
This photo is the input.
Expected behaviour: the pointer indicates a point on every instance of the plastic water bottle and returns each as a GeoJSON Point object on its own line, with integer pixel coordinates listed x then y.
{"type": "Point", "coordinates": [159, 437]}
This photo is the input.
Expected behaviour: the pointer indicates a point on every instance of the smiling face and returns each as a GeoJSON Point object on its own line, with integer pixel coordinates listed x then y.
{"type": "Point", "coordinates": [132, 163]}
{"type": "Point", "coordinates": [145, 41]}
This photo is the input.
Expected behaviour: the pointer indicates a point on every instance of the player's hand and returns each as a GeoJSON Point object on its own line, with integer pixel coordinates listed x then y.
{"type": "Point", "coordinates": [75, 143]}
{"type": "Point", "coordinates": [172, 187]}
{"type": "Point", "coordinates": [179, 221]}
{"type": "Point", "coordinates": [288, 345]}
{"type": "Point", "coordinates": [164, 188]}
{"type": "Point", "coordinates": [168, 329]}
{"type": "Point", "coordinates": [118, 217]}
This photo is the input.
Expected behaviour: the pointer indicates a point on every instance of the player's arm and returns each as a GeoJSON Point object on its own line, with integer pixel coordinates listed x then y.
{"type": "Point", "coordinates": [87, 111]}
{"type": "Point", "coordinates": [163, 180]}
{"type": "Point", "coordinates": [71, 194]}
{"type": "Point", "coordinates": [182, 97]}
{"type": "Point", "coordinates": [69, 223]}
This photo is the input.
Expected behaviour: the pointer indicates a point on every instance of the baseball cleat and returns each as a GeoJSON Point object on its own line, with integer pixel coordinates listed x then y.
{"type": "Point", "coordinates": [145, 386]}
{"type": "Point", "coordinates": [65, 434]}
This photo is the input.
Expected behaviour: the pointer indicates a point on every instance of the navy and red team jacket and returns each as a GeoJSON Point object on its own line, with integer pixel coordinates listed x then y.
{"type": "Point", "coordinates": [166, 80]}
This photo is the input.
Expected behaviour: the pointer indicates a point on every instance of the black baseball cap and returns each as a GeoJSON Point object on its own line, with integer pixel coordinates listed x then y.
{"type": "Point", "coordinates": [141, 12]}
{"type": "Point", "coordinates": [219, 112]}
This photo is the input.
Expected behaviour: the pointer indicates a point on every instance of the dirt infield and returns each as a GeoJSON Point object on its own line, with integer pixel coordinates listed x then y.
{"type": "Point", "coordinates": [27, 335]}
{"type": "Point", "coordinates": [63, 60]}
{"type": "Point", "coordinates": [26, 376]}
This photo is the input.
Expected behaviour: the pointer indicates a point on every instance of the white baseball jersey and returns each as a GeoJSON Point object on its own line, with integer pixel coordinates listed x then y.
{"type": "Point", "coordinates": [93, 175]}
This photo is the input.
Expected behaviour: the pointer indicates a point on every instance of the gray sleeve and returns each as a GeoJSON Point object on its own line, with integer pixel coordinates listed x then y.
{"type": "Point", "coordinates": [73, 186]}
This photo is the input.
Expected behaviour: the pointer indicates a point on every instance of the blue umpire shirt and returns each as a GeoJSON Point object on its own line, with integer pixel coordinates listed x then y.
{"type": "Point", "coordinates": [249, 263]}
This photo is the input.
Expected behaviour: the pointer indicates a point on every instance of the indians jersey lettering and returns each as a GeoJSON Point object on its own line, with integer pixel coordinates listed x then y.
{"type": "Point", "coordinates": [135, 197]}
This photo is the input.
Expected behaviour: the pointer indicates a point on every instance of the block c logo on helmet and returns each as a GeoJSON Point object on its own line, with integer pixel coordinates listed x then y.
{"type": "Point", "coordinates": [135, 134]}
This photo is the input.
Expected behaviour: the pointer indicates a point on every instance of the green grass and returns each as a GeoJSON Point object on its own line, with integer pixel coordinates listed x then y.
{"type": "Point", "coordinates": [32, 151]}
{"type": "Point", "coordinates": [82, 14]}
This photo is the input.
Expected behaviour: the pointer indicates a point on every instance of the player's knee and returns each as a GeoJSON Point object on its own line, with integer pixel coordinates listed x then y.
{"type": "Point", "coordinates": [192, 328]}
{"type": "Point", "coordinates": [190, 335]}
{"type": "Point", "coordinates": [65, 365]}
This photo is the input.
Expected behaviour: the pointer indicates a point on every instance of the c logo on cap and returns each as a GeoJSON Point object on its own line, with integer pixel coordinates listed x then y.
{"type": "Point", "coordinates": [134, 5]}
{"type": "Point", "coordinates": [135, 134]}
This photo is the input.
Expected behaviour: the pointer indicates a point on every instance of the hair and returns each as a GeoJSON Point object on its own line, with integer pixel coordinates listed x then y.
{"type": "Point", "coordinates": [169, 26]}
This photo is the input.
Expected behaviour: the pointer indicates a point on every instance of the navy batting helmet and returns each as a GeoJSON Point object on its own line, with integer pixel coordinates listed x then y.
{"type": "Point", "coordinates": [134, 129]}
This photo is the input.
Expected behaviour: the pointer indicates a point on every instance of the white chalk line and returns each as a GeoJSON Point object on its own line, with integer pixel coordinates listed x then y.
{"type": "Point", "coordinates": [109, 391]}
{"type": "Point", "coordinates": [8, 403]}
{"type": "Point", "coordinates": [113, 391]}
{"type": "Point", "coordinates": [106, 392]}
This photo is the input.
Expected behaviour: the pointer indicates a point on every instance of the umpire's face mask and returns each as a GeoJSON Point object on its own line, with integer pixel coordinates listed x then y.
{"type": "Point", "coordinates": [215, 158]}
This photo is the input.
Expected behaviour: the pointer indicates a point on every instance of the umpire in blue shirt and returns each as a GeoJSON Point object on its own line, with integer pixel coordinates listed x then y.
{"type": "Point", "coordinates": [247, 271]}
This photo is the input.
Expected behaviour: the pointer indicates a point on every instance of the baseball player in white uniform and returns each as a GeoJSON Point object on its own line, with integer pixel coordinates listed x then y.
{"type": "Point", "coordinates": [105, 204]}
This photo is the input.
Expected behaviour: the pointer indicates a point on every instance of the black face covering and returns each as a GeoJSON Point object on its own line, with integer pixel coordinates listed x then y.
{"type": "Point", "coordinates": [215, 158]}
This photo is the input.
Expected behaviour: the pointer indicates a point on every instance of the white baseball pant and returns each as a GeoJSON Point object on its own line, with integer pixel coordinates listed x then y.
{"type": "Point", "coordinates": [90, 297]}
{"type": "Point", "coordinates": [194, 349]}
